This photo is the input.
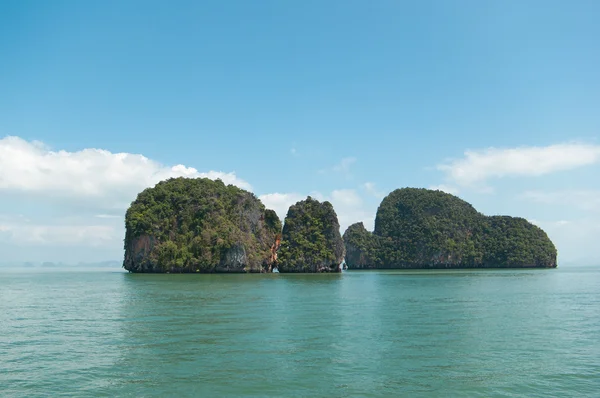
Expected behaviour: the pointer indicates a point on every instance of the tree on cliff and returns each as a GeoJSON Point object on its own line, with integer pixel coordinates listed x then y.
{"type": "Point", "coordinates": [311, 240]}
{"type": "Point", "coordinates": [421, 228]}
{"type": "Point", "coordinates": [199, 225]}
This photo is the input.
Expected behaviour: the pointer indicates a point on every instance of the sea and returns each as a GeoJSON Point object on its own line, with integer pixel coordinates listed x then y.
{"type": "Point", "coordinates": [442, 333]}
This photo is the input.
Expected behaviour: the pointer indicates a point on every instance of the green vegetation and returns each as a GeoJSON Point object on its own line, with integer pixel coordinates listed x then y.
{"type": "Point", "coordinates": [311, 240]}
{"type": "Point", "coordinates": [362, 249]}
{"type": "Point", "coordinates": [420, 228]}
{"type": "Point", "coordinates": [515, 241]}
{"type": "Point", "coordinates": [199, 225]}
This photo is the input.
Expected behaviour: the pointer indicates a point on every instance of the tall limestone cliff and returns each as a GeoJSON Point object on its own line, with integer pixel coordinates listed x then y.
{"type": "Point", "coordinates": [199, 225]}
{"type": "Point", "coordinates": [311, 240]}
{"type": "Point", "coordinates": [421, 228]}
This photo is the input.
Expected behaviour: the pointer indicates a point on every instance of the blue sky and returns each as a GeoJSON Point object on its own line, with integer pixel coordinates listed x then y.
{"type": "Point", "coordinates": [497, 102]}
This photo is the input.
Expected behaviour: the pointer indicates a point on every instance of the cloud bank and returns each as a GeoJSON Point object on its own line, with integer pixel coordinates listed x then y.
{"type": "Point", "coordinates": [587, 200]}
{"type": "Point", "coordinates": [114, 178]}
{"type": "Point", "coordinates": [478, 166]}
{"type": "Point", "coordinates": [280, 202]}
{"type": "Point", "coordinates": [348, 205]}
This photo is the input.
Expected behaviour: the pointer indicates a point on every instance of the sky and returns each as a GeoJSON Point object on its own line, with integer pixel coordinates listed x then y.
{"type": "Point", "coordinates": [497, 102]}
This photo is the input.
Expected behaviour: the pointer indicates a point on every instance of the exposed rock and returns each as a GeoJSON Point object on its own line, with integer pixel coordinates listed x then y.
{"type": "Point", "coordinates": [137, 253]}
{"type": "Point", "coordinates": [361, 247]}
{"type": "Point", "coordinates": [420, 228]}
{"type": "Point", "coordinates": [199, 225]}
{"type": "Point", "coordinates": [311, 240]}
{"type": "Point", "coordinates": [273, 256]}
{"type": "Point", "coordinates": [234, 260]}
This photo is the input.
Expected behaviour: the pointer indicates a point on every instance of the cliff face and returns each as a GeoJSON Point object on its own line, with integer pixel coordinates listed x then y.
{"type": "Point", "coordinates": [199, 225]}
{"type": "Point", "coordinates": [420, 228]}
{"type": "Point", "coordinates": [361, 247]}
{"type": "Point", "coordinates": [311, 240]}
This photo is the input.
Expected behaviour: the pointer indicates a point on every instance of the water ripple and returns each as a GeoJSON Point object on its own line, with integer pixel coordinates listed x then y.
{"type": "Point", "coordinates": [489, 333]}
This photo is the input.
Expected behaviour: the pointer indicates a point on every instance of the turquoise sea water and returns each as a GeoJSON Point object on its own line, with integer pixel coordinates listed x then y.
{"type": "Point", "coordinates": [488, 333]}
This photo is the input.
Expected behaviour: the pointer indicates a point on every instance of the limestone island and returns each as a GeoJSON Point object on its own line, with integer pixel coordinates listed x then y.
{"type": "Point", "coordinates": [311, 239]}
{"type": "Point", "coordinates": [197, 225]}
{"type": "Point", "coordinates": [421, 228]}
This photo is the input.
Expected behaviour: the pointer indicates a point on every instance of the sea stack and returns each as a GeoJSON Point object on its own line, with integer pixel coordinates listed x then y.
{"type": "Point", "coordinates": [311, 240]}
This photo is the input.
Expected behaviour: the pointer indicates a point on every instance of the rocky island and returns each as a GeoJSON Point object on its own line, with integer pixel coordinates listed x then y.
{"type": "Point", "coordinates": [421, 228]}
{"type": "Point", "coordinates": [311, 240]}
{"type": "Point", "coordinates": [185, 225]}
{"type": "Point", "coordinates": [197, 225]}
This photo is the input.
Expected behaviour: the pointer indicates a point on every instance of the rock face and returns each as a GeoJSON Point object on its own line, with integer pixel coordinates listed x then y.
{"type": "Point", "coordinates": [361, 247]}
{"type": "Point", "coordinates": [311, 240]}
{"type": "Point", "coordinates": [199, 225]}
{"type": "Point", "coordinates": [420, 228]}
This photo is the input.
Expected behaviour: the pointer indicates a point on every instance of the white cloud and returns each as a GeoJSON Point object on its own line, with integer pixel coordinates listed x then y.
{"type": "Point", "coordinates": [344, 165]}
{"type": "Point", "coordinates": [588, 200]}
{"type": "Point", "coordinates": [294, 149]}
{"type": "Point", "coordinates": [346, 197]}
{"type": "Point", "coordinates": [107, 216]}
{"type": "Point", "coordinates": [573, 239]}
{"type": "Point", "coordinates": [481, 165]}
{"type": "Point", "coordinates": [73, 231]}
{"type": "Point", "coordinates": [112, 179]}
{"type": "Point", "coordinates": [62, 235]}
{"type": "Point", "coordinates": [558, 223]}
{"type": "Point", "coordinates": [372, 190]}
{"type": "Point", "coordinates": [347, 203]}
{"type": "Point", "coordinates": [350, 208]}
{"type": "Point", "coordinates": [280, 202]}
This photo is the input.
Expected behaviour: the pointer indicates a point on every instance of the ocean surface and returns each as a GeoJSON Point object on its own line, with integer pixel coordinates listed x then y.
{"type": "Point", "coordinates": [486, 333]}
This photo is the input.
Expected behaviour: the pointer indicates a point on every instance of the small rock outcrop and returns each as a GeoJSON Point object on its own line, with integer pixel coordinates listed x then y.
{"type": "Point", "coordinates": [421, 228]}
{"type": "Point", "coordinates": [361, 247]}
{"type": "Point", "coordinates": [199, 225]}
{"type": "Point", "coordinates": [311, 240]}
